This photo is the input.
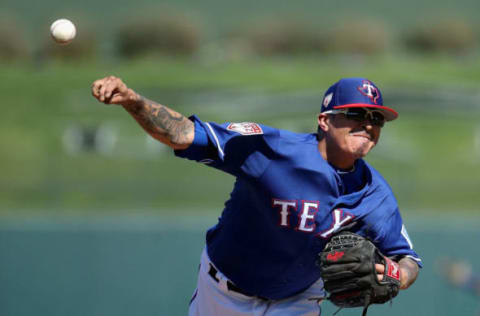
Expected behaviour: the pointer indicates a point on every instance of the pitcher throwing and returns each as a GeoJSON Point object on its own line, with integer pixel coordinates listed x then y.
{"type": "Point", "coordinates": [292, 193]}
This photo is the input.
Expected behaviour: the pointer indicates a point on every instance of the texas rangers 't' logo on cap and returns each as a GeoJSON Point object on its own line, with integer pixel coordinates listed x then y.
{"type": "Point", "coordinates": [369, 90]}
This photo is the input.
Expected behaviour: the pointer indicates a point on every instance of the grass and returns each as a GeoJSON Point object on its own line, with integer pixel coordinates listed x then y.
{"type": "Point", "coordinates": [428, 155]}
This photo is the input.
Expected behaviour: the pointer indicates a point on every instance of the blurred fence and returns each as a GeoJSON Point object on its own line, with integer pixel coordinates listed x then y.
{"type": "Point", "coordinates": [147, 266]}
{"type": "Point", "coordinates": [216, 29]}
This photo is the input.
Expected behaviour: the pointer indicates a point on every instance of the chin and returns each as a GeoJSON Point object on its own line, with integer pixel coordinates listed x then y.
{"type": "Point", "coordinates": [359, 155]}
{"type": "Point", "coordinates": [361, 151]}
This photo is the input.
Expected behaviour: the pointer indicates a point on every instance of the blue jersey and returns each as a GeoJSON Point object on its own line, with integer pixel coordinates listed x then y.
{"type": "Point", "coordinates": [286, 203]}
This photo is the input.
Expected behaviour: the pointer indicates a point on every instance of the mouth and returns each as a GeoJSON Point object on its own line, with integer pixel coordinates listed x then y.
{"type": "Point", "coordinates": [364, 135]}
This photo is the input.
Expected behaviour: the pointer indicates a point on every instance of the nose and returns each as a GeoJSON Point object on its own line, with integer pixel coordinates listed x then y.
{"type": "Point", "coordinates": [367, 125]}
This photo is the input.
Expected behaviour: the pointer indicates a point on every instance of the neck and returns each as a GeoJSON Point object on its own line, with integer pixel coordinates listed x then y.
{"type": "Point", "coordinates": [335, 156]}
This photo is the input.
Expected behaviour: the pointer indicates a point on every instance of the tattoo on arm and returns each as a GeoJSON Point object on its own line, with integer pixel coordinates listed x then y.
{"type": "Point", "coordinates": [162, 123]}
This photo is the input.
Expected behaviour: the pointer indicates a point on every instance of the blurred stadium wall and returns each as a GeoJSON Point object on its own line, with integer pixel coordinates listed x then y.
{"type": "Point", "coordinates": [147, 266]}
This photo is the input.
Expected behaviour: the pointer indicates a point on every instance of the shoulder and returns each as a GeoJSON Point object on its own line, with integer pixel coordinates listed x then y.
{"type": "Point", "coordinates": [258, 129]}
{"type": "Point", "coordinates": [294, 137]}
{"type": "Point", "coordinates": [239, 129]}
{"type": "Point", "coordinates": [379, 195]}
{"type": "Point", "coordinates": [378, 182]}
{"type": "Point", "coordinates": [261, 134]}
{"type": "Point", "coordinates": [254, 129]}
{"type": "Point", "coordinates": [249, 128]}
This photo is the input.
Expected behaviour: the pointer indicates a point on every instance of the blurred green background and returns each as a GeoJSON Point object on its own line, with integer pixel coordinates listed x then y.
{"type": "Point", "coordinates": [90, 203]}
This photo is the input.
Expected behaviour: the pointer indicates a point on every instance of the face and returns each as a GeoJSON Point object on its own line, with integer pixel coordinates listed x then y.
{"type": "Point", "coordinates": [346, 138]}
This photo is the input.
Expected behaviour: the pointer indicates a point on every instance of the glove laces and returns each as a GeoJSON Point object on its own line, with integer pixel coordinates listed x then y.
{"type": "Point", "coordinates": [368, 298]}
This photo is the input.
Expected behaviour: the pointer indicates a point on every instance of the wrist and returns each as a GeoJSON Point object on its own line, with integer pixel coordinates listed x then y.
{"type": "Point", "coordinates": [132, 100]}
{"type": "Point", "coordinates": [403, 279]}
{"type": "Point", "coordinates": [408, 273]}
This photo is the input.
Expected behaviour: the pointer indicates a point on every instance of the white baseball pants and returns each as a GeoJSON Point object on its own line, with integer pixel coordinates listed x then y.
{"type": "Point", "coordinates": [213, 298]}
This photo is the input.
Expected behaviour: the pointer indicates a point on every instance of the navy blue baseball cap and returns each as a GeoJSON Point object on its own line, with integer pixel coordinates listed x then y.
{"type": "Point", "coordinates": [356, 93]}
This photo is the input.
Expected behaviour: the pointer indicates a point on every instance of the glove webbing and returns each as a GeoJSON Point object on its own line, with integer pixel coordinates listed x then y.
{"type": "Point", "coordinates": [350, 241]}
{"type": "Point", "coordinates": [365, 308]}
{"type": "Point", "coordinates": [368, 298]}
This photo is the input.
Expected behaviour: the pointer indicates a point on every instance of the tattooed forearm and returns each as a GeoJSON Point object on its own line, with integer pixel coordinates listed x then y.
{"type": "Point", "coordinates": [409, 272]}
{"type": "Point", "coordinates": [162, 123]}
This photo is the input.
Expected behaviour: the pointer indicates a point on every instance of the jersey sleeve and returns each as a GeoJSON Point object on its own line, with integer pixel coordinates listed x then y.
{"type": "Point", "coordinates": [393, 240]}
{"type": "Point", "coordinates": [384, 224]}
{"type": "Point", "coordinates": [236, 148]}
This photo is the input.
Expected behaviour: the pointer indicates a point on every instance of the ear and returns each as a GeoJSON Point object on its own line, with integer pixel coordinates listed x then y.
{"type": "Point", "coordinates": [323, 122]}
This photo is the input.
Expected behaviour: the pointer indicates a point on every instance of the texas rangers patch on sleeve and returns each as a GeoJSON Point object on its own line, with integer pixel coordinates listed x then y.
{"type": "Point", "coordinates": [245, 128]}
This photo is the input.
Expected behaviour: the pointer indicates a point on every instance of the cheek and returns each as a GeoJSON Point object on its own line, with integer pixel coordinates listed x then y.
{"type": "Point", "coordinates": [360, 146]}
{"type": "Point", "coordinates": [377, 136]}
{"type": "Point", "coordinates": [360, 142]}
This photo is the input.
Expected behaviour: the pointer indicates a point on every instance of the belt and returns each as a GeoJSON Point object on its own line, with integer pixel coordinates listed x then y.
{"type": "Point", "coordinates": [230, 286]}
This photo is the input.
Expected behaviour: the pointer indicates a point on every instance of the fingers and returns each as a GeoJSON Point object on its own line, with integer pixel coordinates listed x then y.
{"type": "Point", "coordinates": [104, 90]}
{"type": "Point", "coordinates": [117, 98]}
{"type": "Point", "coordinates": [380, 268]}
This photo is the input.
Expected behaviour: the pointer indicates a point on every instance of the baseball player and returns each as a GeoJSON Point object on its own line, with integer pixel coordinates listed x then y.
{"type": "Point", "coordinates": [292, 193]}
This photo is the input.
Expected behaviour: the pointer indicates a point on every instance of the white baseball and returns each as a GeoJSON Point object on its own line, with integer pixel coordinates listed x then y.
{"type": "Point", "coordinates": [63, 31]}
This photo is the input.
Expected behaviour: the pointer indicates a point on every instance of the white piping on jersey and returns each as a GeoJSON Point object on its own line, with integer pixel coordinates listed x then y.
{"type": "Point", "coordinates": [413, 258]}
{"type": "Point", "coordinates": [405, 235]}
{"type": "Point", "coordinates": [216, 140]}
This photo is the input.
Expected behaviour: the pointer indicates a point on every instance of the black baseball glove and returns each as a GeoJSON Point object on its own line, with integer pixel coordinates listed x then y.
{"type": "Point", "coordinates": [348, 271]}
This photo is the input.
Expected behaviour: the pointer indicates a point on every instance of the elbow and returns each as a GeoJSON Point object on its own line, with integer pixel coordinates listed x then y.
{"type": "Point", "coordinates": [172, 142]}
{"type": "Point", "coordinates": [179, 146]}
{"type": "Point", "coordinates": [177, 142]}
{"type": "Point", "coordinates": [182, 136]}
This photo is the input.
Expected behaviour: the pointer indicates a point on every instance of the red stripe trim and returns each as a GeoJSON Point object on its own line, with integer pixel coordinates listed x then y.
{"type": "Point", "coordinates": [393, 114]}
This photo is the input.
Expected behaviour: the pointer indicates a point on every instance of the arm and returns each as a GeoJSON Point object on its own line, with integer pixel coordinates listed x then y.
{"type": "Point", "coordinates": [162, 123]}
{"type": "Point", "coordinates": [408, 272]}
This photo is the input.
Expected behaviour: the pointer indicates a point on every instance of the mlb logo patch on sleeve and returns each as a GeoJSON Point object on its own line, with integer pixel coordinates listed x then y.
{"type": "Point", "coordinates": [245, 128]}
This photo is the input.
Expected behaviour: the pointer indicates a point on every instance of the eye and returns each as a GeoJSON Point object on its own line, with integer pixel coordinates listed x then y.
{"type": "Point", "coordinates": [378, 116]}
{"type": "Point", "coordinates": [377, 119]}
{"type": "Point", "coordinates": [356, 114]}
